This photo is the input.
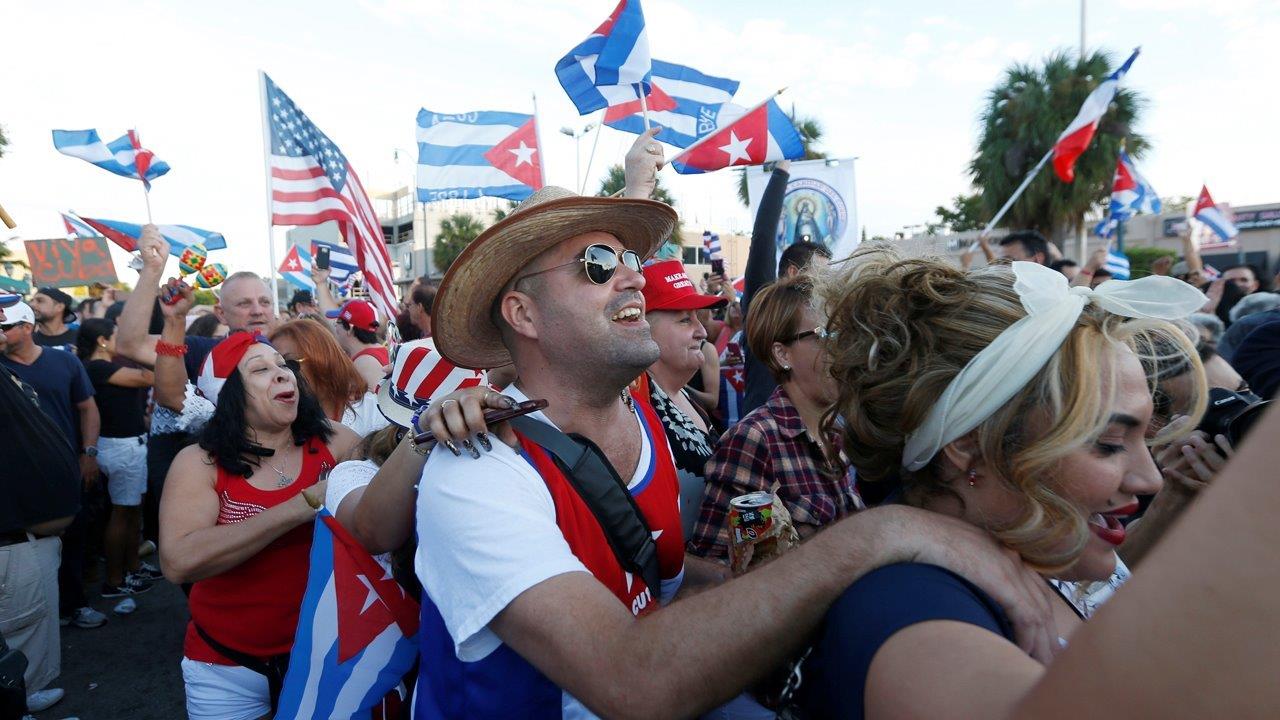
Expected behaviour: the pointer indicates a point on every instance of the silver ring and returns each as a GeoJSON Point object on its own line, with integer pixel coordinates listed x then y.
{"type": "Point", "coordinates": [654, 148]}
{"type": "Point", "coordinates": [446, 402]}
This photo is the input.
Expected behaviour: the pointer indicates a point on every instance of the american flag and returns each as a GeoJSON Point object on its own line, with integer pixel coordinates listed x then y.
{"type": "Point", "coordinates": [312, 182]}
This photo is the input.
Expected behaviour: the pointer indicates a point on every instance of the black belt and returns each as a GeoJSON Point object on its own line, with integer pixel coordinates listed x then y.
{"type": "Point", "coordinates": [14, 538]}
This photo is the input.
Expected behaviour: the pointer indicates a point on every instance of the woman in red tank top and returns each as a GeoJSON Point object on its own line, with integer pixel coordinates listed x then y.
{"type": "Point", "coordinates": [235, 522]}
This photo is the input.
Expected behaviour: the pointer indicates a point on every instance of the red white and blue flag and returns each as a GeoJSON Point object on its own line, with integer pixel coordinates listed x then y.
{"type": "Point", "coordinates": [482, 153]}
{"type": "Point", "coordinates": [682, 101]}
{"type": "Point", "coordinates": [711, 244]}
{"type": "Point", "coordinates": [1131, 194]}
{"type": "Point", "coordinates": [764, 134]}
{"type": "Point", "coordinates": [612, 65]}
{"type": "Point", "coordinates": [1210, 214]}
{"type": "Point", "coordinates": [123, 156]}
{"type": "Point", "coordinates": [357, 634]}
{"type": "Point", "coordinates": [312, 183]}
{"type": "Point", "coordinates": [296, 269]}
{"type": "Point", "coordinates": [1075, 139]}
{"type": "Point", "coordinates": [126, 234]}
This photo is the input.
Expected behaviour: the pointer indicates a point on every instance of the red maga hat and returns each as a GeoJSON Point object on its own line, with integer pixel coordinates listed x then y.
{"type": "Point", "coordinates": [668, 287]}
{"type": "Point", "coordinates": [357, 314]}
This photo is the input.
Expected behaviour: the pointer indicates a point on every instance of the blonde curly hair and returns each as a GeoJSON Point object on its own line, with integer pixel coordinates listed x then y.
{"type": "Point", "coordinates": [905, 327]}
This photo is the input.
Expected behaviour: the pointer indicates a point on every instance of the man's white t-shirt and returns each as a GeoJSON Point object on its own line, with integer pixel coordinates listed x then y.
{"type": "Point", "coordinates": [486, 533]}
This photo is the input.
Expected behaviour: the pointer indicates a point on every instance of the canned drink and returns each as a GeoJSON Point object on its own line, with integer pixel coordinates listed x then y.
{"type": "Point", "coordinates": [751, 517]}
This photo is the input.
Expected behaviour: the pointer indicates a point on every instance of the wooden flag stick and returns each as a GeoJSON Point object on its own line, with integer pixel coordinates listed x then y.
{"type": "Point", "coordinates": [8, 221]}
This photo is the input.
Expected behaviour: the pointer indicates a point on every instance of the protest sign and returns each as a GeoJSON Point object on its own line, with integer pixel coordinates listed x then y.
{"type": "Point", "coordinates": [63, 263]}
{"type": "Point", "coordinates": [818, 205]}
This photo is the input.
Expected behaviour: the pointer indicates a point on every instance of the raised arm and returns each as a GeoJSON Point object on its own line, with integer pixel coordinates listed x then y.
{"type": "Point", "coordinates": [1190, 252]}
{"type": "Point", "coordinates": [641, 166]}
{"type": "Point", "coordinates": [324, 293]}
{"type": "Point", "coordinates": [762, 258]}
{"type": "Point", "coordinates": [171, 372]}
{"type": "Point", "coordinates": [132, 339]}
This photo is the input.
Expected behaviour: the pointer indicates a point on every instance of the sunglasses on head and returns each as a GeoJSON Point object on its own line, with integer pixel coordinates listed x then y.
{"type": "Point", "coordinates": [600, 261]}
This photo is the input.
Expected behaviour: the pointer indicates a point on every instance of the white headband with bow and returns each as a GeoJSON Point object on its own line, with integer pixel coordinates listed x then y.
{"type": "Point", "coordinates": [1005, 366]}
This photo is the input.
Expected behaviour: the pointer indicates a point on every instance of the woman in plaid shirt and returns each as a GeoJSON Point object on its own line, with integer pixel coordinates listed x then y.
{"type": "Point", "coordinates": [779, 446]}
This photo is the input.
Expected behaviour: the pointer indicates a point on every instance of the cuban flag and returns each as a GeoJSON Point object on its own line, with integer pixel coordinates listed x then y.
{"type": "Point", "coordinates": [1073, 141]}
{"type": "Point", "coordinates": [733, 380]}
{"type": "Point", "coordinates": [764, 134]}
{"type": "Point", "coordinates": [1117, 264]}
{"type": "Point", "coordinates": [469, 155]}
{"type": "Point", "coordinates": [296, 269]}
{"type": "Point", "coordinates": [606, 68]}
{"type": "Point", "coordinates": [682, 101]}
{"type": "Point", "coordinates": [341, 262]}
{"type": "Point", "coordinates": [1131, 194]}
{"type": "Point", "coordinates": [123, 156]}
{"type": "Point", "coordinates": [357, 634]}
{"type": "Point", "coordinates": [711, 244]}
{"type": "Point", "coordinates": [126, 234]}
{"type": "Point", "coordinates": [1210, 214]}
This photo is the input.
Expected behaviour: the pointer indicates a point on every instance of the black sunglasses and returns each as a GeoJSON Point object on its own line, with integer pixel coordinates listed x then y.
{"type": "Point", "coordinates": [820, 332]}
{"type": "Point", "coordinates": [600, 262]}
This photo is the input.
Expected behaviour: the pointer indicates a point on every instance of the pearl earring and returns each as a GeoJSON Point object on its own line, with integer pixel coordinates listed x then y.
{"type": "Point", "coordinates": [973, 478]}
{"type": "Point", "coordinates": [786, 368]}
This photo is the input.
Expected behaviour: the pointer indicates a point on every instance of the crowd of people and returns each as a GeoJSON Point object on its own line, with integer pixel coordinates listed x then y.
{"type": "Point", "coordinates": [949, 471]}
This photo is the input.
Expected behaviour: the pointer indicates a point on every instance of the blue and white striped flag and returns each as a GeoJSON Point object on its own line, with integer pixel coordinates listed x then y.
{"type": "Point", "coordinates": [296, 269]}
{"type": "Point", "coordinates": [469, 155]}
{"type": "Point", "coordinates": [612, 65]}
{"type": "Point", "coordinates": [1117, 264]}
{"type": "Point", "coordinates": [711, 243]}
{"type": "Point", "coordinates": [126, 234]}
{"type": "Point", "coordinates": [683, 102]}
{"type": "Point", "coordinates": [341, 262]}
{"type": "Point", "coordinates": [123, 156]}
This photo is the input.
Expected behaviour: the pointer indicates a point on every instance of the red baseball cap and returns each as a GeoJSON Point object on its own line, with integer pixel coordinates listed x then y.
{"type": "Point", "coordinates": [357, 314]}
{"type": "Point", "coordinates": [668, 287]}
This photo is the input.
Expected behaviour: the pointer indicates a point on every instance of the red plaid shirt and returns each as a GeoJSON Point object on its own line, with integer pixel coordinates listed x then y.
{"type": "Point", "coordinates": [770, 449]}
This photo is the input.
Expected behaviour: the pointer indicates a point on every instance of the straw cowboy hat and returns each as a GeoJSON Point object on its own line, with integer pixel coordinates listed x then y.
{"type": "Point", "coordinates": [460, 319]}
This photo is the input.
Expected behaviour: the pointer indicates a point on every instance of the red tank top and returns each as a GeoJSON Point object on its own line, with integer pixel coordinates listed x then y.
{"type": "Point", "coordinates": [658, 496]}
{"type": "Point", "coordinates": [378, 353]}
{"type": "Point", "coordinates": [254, 606]}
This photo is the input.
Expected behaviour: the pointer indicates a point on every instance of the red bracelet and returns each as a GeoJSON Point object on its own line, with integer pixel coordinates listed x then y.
{"type": "Point", "coordinates": [169, 349]}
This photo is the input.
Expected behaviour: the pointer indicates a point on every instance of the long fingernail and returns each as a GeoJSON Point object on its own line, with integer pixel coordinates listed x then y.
{"type": "Point", "coordinates": [471, 449]}
{"type": "Point", "coordinates": [484, 442]}
{"type": "Point", "coordinates": [452, 448]}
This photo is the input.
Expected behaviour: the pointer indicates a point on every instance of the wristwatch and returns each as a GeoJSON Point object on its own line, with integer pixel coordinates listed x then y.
{"type": "Point", "coordinates": [91, 451]}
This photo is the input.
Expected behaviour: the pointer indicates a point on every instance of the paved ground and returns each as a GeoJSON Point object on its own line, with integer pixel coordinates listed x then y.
{"type": "Point", "coordinates": [127, 668]}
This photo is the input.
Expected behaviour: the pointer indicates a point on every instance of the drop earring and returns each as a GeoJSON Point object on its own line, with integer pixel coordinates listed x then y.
{"type": "Point", "coordinates": [973, 478]}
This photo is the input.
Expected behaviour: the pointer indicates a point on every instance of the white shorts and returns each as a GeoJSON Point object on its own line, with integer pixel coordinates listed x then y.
{"type": "Point", "coordinates": [224, 692]}
{"type": "Point", "coordinates": [29, 606]}
{"type": "Point", "coordinates": [124, 460]}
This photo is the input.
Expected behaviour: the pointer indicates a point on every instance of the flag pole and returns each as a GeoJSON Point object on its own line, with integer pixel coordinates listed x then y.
{"type": "Point", "coordinates": [591, 158]}
{"type": "Point", "coordinates": [266, 163]}
{"type": "Point", "coordinates": [146, 191]}
{"type": "Point", "coordinates": [1017, 193]}
{"type": "Point", "coordinates": [537, 135]}
{"type": "Point", "coordinates": [698, 143]}
{"type": "Point", "coordinates": [644, 106]}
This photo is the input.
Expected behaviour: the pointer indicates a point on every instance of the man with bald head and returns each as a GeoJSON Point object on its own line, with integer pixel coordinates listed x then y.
{"type": "Point", "coordinates": [244, 303]}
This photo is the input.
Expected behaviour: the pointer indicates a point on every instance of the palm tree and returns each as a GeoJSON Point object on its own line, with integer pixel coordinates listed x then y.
{"type": "Point", "coordinates": [615, 180]}
{"type": "Point", "coordinates": [1023, 116]}
{"type": "Point", "coordinates": [810, 130]}
{"type": "Point", "coordinates": [501, 213]}
{"type": "Point", "coordinates": [456, 233]}
{"type": "Point", "coordinates": [3, 141]}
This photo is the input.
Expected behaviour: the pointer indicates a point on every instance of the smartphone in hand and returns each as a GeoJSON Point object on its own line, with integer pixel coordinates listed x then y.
{"type": "Point", "coordinates": [322, 257]}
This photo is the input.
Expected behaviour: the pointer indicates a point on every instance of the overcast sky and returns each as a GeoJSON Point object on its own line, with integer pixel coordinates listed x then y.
{"type": "Point", "coordinates": [896, 84]}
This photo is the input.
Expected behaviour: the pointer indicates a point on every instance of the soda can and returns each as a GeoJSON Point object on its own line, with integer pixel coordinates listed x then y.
{"type": "Point", "coordinates": [751, 517]}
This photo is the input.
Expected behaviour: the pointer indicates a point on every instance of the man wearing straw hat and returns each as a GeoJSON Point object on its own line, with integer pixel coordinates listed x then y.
{"type": "Point", "coordinates": [527, 612]}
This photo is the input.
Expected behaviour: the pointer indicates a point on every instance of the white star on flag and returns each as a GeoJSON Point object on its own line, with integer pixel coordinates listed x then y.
{"type": "Point", "coordinates": [372, 597]}
{"type": "Point", "coordinates": [524, 154]}
{"type": "Point", "coordinates": [737, 149]}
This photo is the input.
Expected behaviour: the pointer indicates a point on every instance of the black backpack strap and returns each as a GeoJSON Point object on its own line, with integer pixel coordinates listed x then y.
{"type": "Point", "coordinates": [604, 492]}
{"type": "Point", "coordinates": [273, 668]}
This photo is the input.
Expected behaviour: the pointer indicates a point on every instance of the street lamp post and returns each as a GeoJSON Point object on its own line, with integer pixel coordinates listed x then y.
{"type": "Point", "coordinates": [577, 157]}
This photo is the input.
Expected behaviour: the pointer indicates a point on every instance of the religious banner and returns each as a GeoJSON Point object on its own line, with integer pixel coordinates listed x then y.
{"type": "Point", "coordinates": [818, 205]}
{"type": "Point", "coordinates": [63, 263]}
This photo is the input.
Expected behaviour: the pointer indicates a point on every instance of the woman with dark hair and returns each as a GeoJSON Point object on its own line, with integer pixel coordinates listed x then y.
{"type": "Point", "coordinates": [121, 394]}
{"type": "Point", "coordinates": [330, 374]}
{"type": "Point", "coordinates": [207, 325]}
{"type": "Point", "coordinates": [235, 522]}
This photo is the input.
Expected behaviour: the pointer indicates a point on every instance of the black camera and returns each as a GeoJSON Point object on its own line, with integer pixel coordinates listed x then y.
{"type": "Point", "coordinates": [1232, 414]}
